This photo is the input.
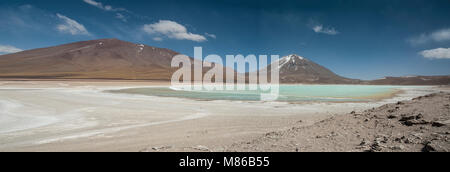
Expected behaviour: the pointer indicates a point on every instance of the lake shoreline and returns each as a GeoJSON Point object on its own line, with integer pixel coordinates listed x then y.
{"type": "Point", "coordinates": [84, 113]}
{"type": "Point", "coordinates": [293, 94]}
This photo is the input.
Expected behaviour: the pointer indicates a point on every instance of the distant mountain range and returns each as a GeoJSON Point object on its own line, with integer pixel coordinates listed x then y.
{"type": "Point", "coordinates": [297, 69]}
{"type": "Point", "coordinates": [413, 80]}
{"type": "Point", "coordinates": [116, 59]}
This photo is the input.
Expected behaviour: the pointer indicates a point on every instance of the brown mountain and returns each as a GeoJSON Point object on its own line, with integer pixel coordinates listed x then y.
{"type": "Point", "coordinates": [297, 69]}
{"type": "Point", "coordinates": [413, 80]}
{"type": "Point", "coordinates": [115, 59]}
{"type": "Point", "coordinates": [101, 59]}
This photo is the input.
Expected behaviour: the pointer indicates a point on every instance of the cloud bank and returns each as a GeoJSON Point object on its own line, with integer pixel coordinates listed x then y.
{"type": "Point", "coordinates": [438, 53]}
{"type": "Point", "coordinates": [71, 26]}
{"type": "Point", "coordinates": [172, 30]}
{"type": "Point", "coordinates": [157, 39]}
{"type": "Point", "coordinates": [325, 30]}
{"type": "Point", "coordinates": [103, 7]}
{"type": "Point", "coordinates": [436, 36]}
{"type": "Point", "coordinates": [100, 5]}
{"type": "Point", "coordinates": [6, 49]}
{"type": "Point", "coordinates": [121, 17]}
{"type": "Point", "coordinates": [211, 35]}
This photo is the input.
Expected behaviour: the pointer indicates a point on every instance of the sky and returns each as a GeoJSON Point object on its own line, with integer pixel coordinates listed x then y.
{"type": "Point", "coordinates": [361, 39]}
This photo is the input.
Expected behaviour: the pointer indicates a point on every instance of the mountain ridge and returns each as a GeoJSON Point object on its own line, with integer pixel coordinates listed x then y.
{"type": "Point", "coordinates": [103, 58]}
{"type": "Point", "coordinates": [120, 60]}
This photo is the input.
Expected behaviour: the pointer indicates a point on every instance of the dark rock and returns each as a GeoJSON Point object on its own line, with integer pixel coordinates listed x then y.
{"type": "Point", "coordinates": [381, 139]}
{"type": "Point", "coordinates": [364, 143]}
{"type": "Point", "coordinates": [440, 123]}
{"type": "Point", "coordinates": [419, 116]}
{"type": "Point", "coordinates": [399, 147]}
{"type": "Point", "coordinates": [392, 116]}
{"type": "Point", "coordinates": [407, 118]}
{"type": "Point", "coordinates": [161, 148]}
{"type": "Point", "coordinates": [332, 134]}
{"type": "Point", "coordinates": [437, 124]}
{"type": "Point", "coordinates": [418, 98]}
{"type": "Point", "coordinates": [430, 95]}
{"type": "Point", "coordinates": [400, 140]}
{"type": "Point", "coordinates": [408, 140]}
{"type": "Point", "coordinates": [413, 120]}
{"type": "Point", "coordinates": [391, 110]}
{"type": "Point", "coordinates": [376, 147]}
{"type": "Point", "coordinates": [433, 146]}
{"type": "Point", "coordinates": [428, 148]}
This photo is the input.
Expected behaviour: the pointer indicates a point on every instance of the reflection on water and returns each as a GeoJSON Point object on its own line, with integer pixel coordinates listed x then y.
{"type": "Point", "coordinates": [288, 93]}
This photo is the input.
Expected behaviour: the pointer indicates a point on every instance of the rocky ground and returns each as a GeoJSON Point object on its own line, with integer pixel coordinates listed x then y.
{"type": "Point", "coordinates": [419, 125]}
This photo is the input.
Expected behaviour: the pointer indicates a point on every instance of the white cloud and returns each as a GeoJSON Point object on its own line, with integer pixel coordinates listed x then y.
{"type": "Point", "coordinates": [6, 49]}
{"type": "Point", "coordinates": [211, 35]}
{"type": "Point", "coordinates": [71, 26]}
{"type": "Point", "coordinates": [328, 30]}
{"type": "Point", "coordinates": [94, 3]}
{"type": "Point", "coordinates": [100, 5]}
{"type": "Point", "coordinates": [103, 7]}
{"type": "Point", "coordinates": [121, 17]}
{"type": "Point", "coordinates": [436, 36]}
{"type": "Point", "coordinates": [157, 39]}
{"type": "Point", "coordinates": [438, 53]}
{"type": "Point", "coordinates": [172, 30]}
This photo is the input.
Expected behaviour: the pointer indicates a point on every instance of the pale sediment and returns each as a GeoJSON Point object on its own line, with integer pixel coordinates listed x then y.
{"type": "Point", "coordinates": [72, 116]}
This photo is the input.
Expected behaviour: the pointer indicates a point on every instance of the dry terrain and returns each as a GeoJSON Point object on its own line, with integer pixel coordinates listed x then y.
{"type": "Point", "coordinates": [421, 124]}
{"type": "Point", "coordinates": [80, 115]}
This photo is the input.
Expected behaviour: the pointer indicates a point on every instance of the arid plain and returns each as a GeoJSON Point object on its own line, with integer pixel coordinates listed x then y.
{"type": "Point", "coordinates": [80, 115]}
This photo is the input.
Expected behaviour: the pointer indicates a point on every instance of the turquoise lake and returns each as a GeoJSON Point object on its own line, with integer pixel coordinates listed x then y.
{"type": "Point", "coordinates": [287, 93]}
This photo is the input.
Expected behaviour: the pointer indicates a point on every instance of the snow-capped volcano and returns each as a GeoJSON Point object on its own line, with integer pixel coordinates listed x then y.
{"type": "Point", "coordinates": [291, 59]}
{"type": "Point", "coordinates": [297, 69]}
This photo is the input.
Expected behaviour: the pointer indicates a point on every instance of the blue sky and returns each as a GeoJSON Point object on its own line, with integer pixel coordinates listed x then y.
{"type": "Point", "coordinates": [364, 39]}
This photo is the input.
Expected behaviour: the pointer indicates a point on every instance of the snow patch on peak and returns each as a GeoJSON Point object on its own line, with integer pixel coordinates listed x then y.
{"type": "Point", "coordinates": [290, 58]}
{"type": "Point", "coordinates": [141, 47]}
{"type": "Point", "coordinates": [294, 56]}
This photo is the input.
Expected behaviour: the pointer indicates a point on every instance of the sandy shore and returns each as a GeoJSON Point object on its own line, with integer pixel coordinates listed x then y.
{"type": "Point", "coordinates": [80, 116]}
